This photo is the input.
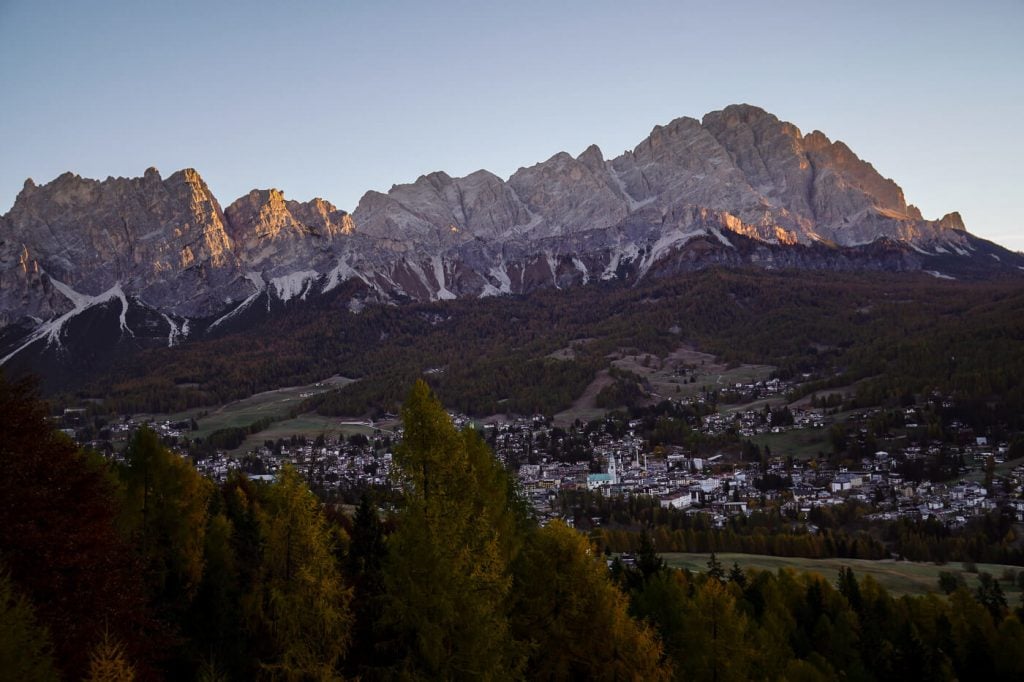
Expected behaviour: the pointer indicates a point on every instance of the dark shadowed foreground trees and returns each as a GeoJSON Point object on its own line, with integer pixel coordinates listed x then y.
{"type": "Point", "coordinates": [148, 571]}
{"type": "Point", "coordinates": [59, 542]}
{"type": "Point", "coordinates": [574, 621]}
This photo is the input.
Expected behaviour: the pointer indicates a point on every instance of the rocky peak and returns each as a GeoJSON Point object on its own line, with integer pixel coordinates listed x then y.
{"type": "Point", "coordinates": [276, 235]}
{"type": "Point", "coordinates": [262, 214]}
{"type": "Point", "coordinates": [565, 195]}
{"type": "Point", "coordinates": [439, 210]}
{"type": "Point", "coordinates": [196, 220]}
{"type": "Point", "coordinates": [683, 163]}
{"type": "Point", "coordinates": [952, 221]}
{"type": "Point", "coordinates": [322, 218]}
{"type": "Point", "coordinates": [593, 159]}
{"type": "Point", "coordinates": [736, 115]}
{"type": "Point", "coordinates": [139, 233]}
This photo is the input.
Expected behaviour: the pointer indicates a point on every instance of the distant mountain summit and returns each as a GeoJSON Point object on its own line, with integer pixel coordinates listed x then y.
{"type": "Point", "coordinates": [738, 188]}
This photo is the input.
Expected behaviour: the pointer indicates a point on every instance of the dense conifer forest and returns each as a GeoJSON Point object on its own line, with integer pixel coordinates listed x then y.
{"type": "Point", "coordinates": [895, 335]}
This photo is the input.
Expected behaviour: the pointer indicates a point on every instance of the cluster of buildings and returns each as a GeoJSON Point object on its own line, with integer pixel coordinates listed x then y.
{"type": "Point", "coordinates": [616, 459]}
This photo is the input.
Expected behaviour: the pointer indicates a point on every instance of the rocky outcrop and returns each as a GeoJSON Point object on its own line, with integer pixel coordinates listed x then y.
{"type": "Point", "coordinates": [440, 211]}
{"type": "Point", "coordinates": [739, 186]}
{"type": "Point", "coordinates": [165, 240]}
{"type": "Point", "coordinates": [271, 234]}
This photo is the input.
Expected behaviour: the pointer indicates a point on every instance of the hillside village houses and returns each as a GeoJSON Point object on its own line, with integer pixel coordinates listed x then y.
{"type": "Point", "coordinates": [625, 464]}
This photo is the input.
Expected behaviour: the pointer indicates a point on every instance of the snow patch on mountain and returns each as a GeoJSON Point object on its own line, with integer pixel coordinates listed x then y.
{"type": "Point", "coordinates": [342, 272]}
{"type": "Point", "coordinates": [294, 284]}
{"type": "Point", "coordinates": [620, 253]}
{"type": "Point", "coordinates": [553, 266]}
{"type": "Point", "coordinates": [722, 238]}
{"type": "Point", "coordinates": [422, 277]}
{"type": "Point", "coordinates": [175, 332]}
{"type": "Point", "coordinates": [504, 281]}
{"type": "Point", "coordinates": [77, 300]}
{"type": "Point", "coordinates": [442, 291]}
{"type": "Point", "coordinates": [53, 329]}
{"type": "Point", "coordinates": [631, 203]}
{"type": "Point", "coordinates": [665, 244]}
{"type": "Point", "coordinates": [257, 281]}
{"type": "Point", "coordinates": [489, 290]}
{"type": "Point", "coordinates": [582, 268]}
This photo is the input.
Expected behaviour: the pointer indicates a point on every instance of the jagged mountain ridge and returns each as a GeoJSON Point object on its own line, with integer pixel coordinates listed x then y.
{"type": "Point", "coordinates": [739, 187]}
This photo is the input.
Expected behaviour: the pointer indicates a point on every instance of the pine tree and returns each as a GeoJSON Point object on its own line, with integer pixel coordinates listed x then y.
{"type": "Point", "coordinates": [364, 570]}
{"type": "Point", "coordinates": [737, 576]}
{"type": "Point", "coordinates": [715, 569]}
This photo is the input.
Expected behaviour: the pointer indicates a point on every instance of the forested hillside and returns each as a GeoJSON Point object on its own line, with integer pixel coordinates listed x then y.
{"type": "Point", "coordinates": [899, 335]}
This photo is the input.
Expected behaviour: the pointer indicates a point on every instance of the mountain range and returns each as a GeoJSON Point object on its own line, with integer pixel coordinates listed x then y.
{"type": "Point", "coordinates": [161, 261]}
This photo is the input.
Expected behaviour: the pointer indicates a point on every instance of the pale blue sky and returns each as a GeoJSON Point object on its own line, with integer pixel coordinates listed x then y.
{"type": "Point", "coordinates": [335, 98]}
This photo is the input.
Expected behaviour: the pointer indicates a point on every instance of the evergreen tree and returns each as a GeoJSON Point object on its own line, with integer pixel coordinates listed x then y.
{"type": "Point", "coordinates": [737, 576]}
{"type": "Point", "coordinates": [715, 569]}
{"type": "Point", "coordinates": [648, 562]}
{"type": "Point", "coordinates": [365, 571]}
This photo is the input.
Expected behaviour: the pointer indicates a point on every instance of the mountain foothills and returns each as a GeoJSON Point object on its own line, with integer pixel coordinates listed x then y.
{"type": "Point", "coordinates": [166, 263]}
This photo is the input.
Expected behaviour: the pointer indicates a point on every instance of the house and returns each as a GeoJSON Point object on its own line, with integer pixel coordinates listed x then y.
{"type": "Point", "coordinates": [678, 499]}
{"type": "Point", "coordinates": [846, 481]}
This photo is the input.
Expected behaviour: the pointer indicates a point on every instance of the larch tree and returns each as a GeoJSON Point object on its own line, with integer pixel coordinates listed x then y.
{"type": "Point", "coordinates": [108, 662]}
{"type": "Point", "coordinates": [447, 576]}
{"type": "Point", "coordinates": [166, 506]}
{"type": "Point", "coordinates": [715, 635]}
{"type": "Point", "coordinates": [304, 605]}
{"type": "Point", "coordinates": [574, 620]}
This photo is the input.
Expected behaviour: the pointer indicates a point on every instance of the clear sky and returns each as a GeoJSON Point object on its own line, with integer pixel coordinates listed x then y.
{"type": "Point", "coordinates": [335, 98]}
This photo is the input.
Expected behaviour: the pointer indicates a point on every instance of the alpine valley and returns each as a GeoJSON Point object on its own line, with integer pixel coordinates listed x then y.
{"type": "Point", "coordinates": [92, 273]}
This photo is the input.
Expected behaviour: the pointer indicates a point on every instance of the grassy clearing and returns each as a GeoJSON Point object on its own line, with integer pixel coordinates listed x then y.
{"type": "Point", "coordinates": [899, 577]}
{"type": "Point", "coordinates": [798, 443]}
{"type": "Point", "coordinates": [670, 376]}
{"type": "Point", "coordinates": [274, 404]}
{"type": "Point", "coordinates": [309, 425]}
{"type": "Point", "coordinates": [241, 413]}
{"type": "Point", "coordinates": [585, 408]}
